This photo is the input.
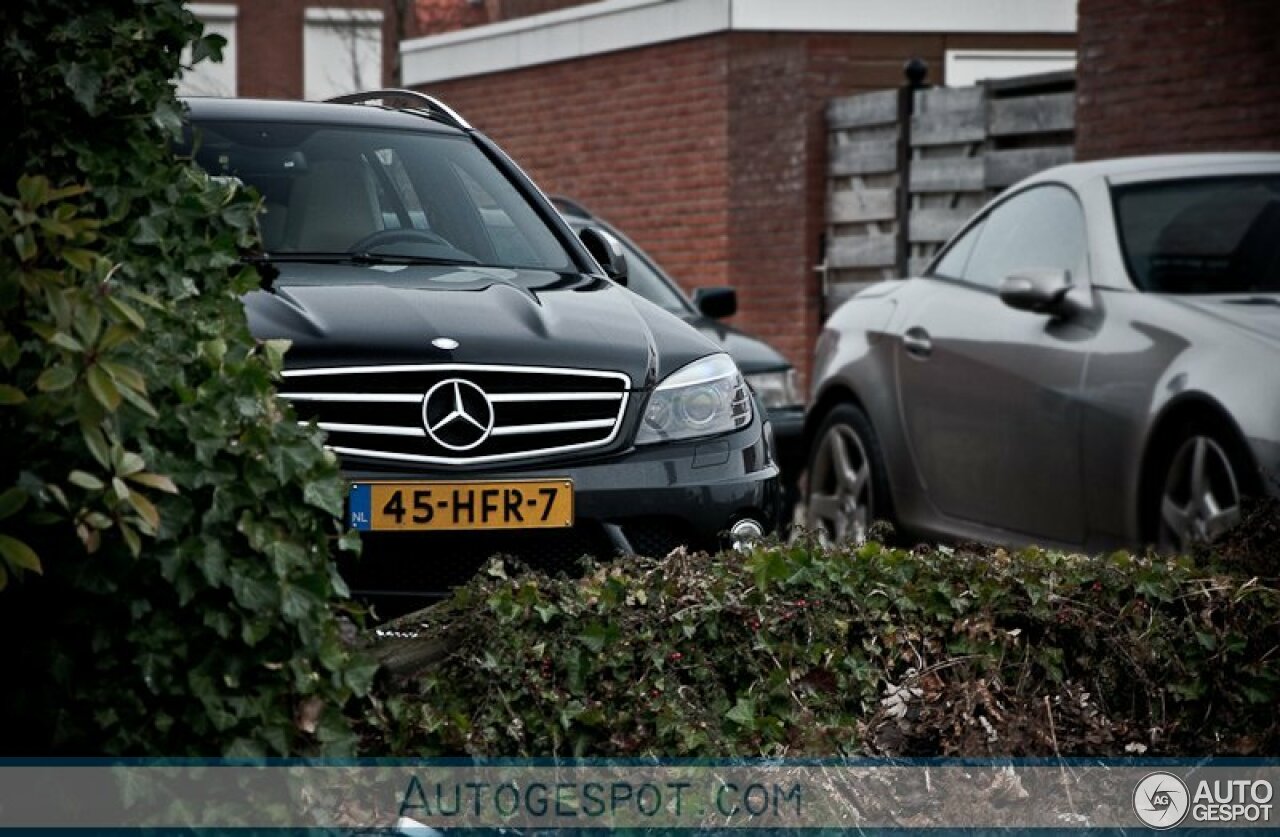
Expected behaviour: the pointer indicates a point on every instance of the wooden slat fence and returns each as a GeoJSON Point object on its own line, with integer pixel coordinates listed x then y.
{"type": "Point", "coordinates": [966, 145]}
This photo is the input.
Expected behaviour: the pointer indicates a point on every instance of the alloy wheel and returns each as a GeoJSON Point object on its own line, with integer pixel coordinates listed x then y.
{"type": "Point", "coordinates": [1201, 497]}
{"type": "Point", "coordinates": [839, 504]}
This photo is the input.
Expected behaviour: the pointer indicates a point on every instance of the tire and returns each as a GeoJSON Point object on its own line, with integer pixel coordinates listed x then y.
{"type": "Point", "coordinates": [841, 503]}
{"type": "Point", "coordinates": [1196, 494]}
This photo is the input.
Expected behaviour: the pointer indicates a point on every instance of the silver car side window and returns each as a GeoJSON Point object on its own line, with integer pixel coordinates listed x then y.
{"type": "Point", "coordinates": [953, 263]}
{"type": "Point", "coordinates": [1042, 227]}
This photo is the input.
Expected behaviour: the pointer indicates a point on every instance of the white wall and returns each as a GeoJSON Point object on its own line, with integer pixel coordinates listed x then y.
{"type": "Point", "coordinates": [208, 78]}
{"type": "Point", "coordinates": [966, 67]}
{"type": "Point", "coordinates": [342, 51]}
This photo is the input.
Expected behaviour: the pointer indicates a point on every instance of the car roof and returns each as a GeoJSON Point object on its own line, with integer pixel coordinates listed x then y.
{"type": "Point", "coordinates": [1159, 167]}
{"type": "Point", "coordinates": [316, 113]}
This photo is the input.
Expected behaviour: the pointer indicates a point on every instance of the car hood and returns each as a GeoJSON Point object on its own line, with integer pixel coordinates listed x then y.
{"type": "Point", "coordinates": [750, 353]}
{"type": "Point", "coordinates": [1257, 314]}
{"type": "Point", "coordinates": [343, 315]}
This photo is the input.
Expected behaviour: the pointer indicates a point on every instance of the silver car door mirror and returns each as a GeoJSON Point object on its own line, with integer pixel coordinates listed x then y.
{"type": "Point", "coordinates": [1039, 290]}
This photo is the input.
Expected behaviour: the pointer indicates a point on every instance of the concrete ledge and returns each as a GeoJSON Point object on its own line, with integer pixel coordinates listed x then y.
{"type": "Point", "coordinates": [614, 25]}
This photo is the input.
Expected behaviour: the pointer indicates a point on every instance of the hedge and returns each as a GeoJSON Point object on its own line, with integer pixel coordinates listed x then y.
{"type": "Point", "coordinates": [801, 651]}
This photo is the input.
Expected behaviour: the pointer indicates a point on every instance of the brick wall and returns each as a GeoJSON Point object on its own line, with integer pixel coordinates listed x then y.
{"type": "Point", "coordinates": [431, 17]}
{"type": "Point", "coordinates": [637, 136]}
{"type": "Point", "coordinates": [1177, 75]}
{"type": "Point", "coordinates": [269, 60]}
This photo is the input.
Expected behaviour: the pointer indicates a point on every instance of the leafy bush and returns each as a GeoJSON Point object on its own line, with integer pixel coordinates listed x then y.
{"type": "Point", "coordinates": [799, 651]}
{"type": "Point", "coordinates": [167, 529]}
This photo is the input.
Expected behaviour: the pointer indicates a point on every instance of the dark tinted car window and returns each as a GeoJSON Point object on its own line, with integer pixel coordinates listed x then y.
{"type": "Point", "coordinates": [337, 190]}
{"type": "Point", "coordinates": [645, 281]}
{"type": "Point", "coordinates": [1205, 236]}
{"type": "Point", "coordinates": [1042, 227]}
{"type": "Point", "coordinates": [643, 277]}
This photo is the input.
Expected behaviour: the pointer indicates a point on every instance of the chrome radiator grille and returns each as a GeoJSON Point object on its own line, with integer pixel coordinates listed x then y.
{"type": "Point", "coordinates": [459, 413]}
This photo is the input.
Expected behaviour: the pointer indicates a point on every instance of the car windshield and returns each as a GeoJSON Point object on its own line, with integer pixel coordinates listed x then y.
{"type": "Point", "coordinates": [336, 192]}
{"type": "Point", "coordinates": [1204, 236]}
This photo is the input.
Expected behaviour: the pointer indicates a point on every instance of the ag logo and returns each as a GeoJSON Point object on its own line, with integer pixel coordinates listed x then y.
{"type": "Point", "coordinates": [1161, 800]}
{"type": "Point", "coordinates": [457, 414]}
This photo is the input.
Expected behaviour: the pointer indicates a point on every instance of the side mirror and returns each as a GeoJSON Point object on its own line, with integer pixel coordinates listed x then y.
{"type": "Point", "coordinates": [1041, 291]}
{"type": "Point", "coordinates": [716, 303]}
{"type": "Point", "coordinates": [607, 251]}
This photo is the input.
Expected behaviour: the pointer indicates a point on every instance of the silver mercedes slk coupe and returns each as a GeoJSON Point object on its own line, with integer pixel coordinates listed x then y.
{"type": "Point", "coordinates": [1092, 361]}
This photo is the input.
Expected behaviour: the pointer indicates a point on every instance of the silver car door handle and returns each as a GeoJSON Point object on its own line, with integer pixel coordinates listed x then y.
{"type": "Point", "coordinates": [916, 342]}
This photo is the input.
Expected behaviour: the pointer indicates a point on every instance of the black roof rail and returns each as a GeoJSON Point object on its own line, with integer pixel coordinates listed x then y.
{"type": "Point", "coordinates": [432, 104]}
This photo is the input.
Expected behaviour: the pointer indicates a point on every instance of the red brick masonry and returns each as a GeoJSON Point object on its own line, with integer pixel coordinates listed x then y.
{"type": "Point", "coordinates": [1159, 76]}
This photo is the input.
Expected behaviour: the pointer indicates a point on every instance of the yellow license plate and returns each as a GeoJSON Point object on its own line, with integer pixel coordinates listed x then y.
{"type": "Point", "coordinates": [431, 506]}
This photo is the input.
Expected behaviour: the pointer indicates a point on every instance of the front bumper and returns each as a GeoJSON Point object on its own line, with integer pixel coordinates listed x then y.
{"type": "Point", "coordinates": [645, 500]}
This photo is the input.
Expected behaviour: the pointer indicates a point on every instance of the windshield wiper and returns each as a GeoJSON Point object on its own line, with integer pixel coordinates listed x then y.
{"type": "Point", "coordinates": [1255, 300]}
{"type": "Point", "coordinates": [261, 260]}
{"type": "Point", "coordinates": [367, 258]}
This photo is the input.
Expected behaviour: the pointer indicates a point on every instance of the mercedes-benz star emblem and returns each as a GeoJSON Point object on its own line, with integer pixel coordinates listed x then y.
{"type": "Point", "coordinates": [457, 414]}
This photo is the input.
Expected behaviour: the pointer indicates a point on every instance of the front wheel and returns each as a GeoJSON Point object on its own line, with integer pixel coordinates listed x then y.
{"type": "Point", "coordinates": [848, 486]}
{"type": "Point", "coordinates": [1200, 494]}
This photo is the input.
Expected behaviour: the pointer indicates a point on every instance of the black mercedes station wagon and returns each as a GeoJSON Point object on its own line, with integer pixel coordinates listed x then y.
{"type": "Point", "coordinates": [486, 382]}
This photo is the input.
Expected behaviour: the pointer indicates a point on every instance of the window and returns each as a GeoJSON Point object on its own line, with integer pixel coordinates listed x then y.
{"type": "Point", "coordinates": [509, 241]}
{"type": "Point", "coordinates": [954, 261]}
{"type": "Point", "coordinates": [209, 78]}
{"type": "Point", "coordinates": [645, 281]}
{"type": "Point", "coordinates": [332, 190]}
{"type": "Point", "coordinates": [1042, 227]}
{"type": "Point", "coordinates": [1212, 235]}
{"type": "Point", "coordinates": [342, 52]}
{"type": "Point", "coordinates": [397, 200]}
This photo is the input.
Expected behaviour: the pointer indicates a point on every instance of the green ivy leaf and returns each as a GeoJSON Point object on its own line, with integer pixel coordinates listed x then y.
{"type": "Point", "coordinates": [97, 444]}
{"type": "Point", "coordinates": [18, 555]}
{"type": "Point", "coordinates": [85, 82]}
{"type": "Point", "coordinates": [743, 713]}
{"type": "Point", "coordinates": [10, 395]}
{"type": "Point", "coordinates": [85, 480]}
{"type": "Point", "coordinates": [103, 388]}
{"type": "Point", "coordinates": [145, 509]}
{"type": "Point", "coordinates": [329, 495]}
{"type": "Point", "coordinates": [131, 539]}
{"type": "Point", "coordinates": [130, 463]}
{"type": "Point", "coordinates": [156, 481]}
{"type": "Point", "coordinates": [126, 312]}
{"type": "Point", "coordinates": [209, 47]}
{"type": "Point", "coordinates": [56, 378]}
{"type": "Point", "coordinates": [65, 341]}
{"type": "Point", "coordinates": [275, 350]}
{"type": "Point", "coordinates": [12, 501]}
{"type": "Point", "coordinates": [81, 260]}
{"type": "Point", "coordinates": [33, 191]}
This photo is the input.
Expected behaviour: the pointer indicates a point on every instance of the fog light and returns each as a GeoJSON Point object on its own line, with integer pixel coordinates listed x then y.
{"type": "Point", "coordinates": [745, 533]}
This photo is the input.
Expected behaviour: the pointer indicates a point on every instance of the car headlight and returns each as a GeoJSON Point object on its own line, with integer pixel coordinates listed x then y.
{"type": "Point", "coordinates": [702, 399]}
{"type": "Point", "coordinates": [777, 389]}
